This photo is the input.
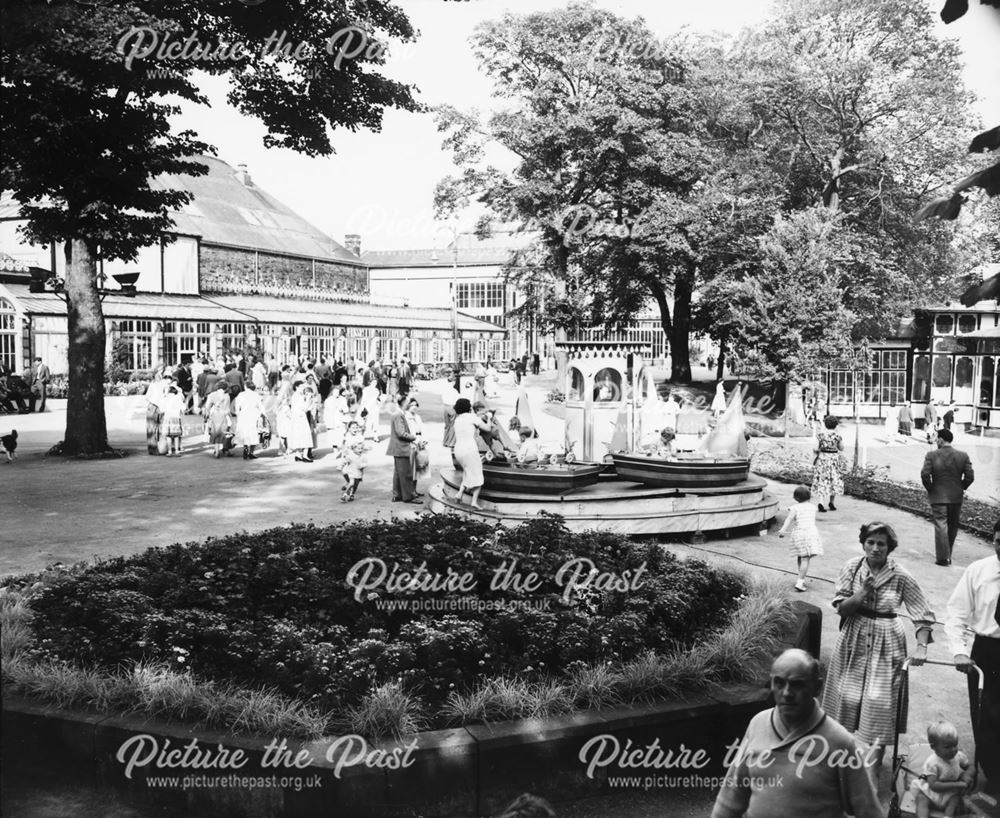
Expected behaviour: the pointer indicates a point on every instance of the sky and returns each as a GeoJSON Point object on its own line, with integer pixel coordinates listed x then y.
{"type": "Point", "coordinates": [381, 185]}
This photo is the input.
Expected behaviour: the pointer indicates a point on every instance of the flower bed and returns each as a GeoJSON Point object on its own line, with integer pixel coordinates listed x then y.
{"type": "Point", "coordinates": [793, 464]}
{"type": "Point", "coordinates": [275, 610]}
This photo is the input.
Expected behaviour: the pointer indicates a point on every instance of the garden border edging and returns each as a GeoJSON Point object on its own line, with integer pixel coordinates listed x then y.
{"type": "Point", "coordinates": [458, 772]}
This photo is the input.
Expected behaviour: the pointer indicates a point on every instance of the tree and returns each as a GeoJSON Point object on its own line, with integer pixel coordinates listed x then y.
{"type": "Point", "coordinates": [987, 178]}
{"type": "Point", "coordinates": [790, 314]}
{"type": "Point", "coordinates": [860, 110]}
{"type": "Point", "coordinates": [603, 123]}
{"type": "Point", "coordinates": [88, 87]}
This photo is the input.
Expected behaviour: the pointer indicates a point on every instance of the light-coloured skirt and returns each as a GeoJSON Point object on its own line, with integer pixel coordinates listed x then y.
{"type": "Point", "coordinates": [472, 467]}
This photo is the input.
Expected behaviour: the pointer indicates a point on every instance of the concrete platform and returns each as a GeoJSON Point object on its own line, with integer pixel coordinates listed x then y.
{"type": "Point", "coordinates": [620, 506]}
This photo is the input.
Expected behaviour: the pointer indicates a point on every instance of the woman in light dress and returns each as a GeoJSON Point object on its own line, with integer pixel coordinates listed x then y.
{"type": "Point", "coordinates": [300, 435]}
{"type": "Point", "coordinates": [467, 427]}
{"type": "Point", "coordinates": [336, 416]}
{"type": "Point", "coordinates": [216, 413]}
{"type": "Point", "coordinates": [368, 409]}
{"type": "Point", "coordinates": [248, 407]}
{"type": "Point", "coordinates": [891, 423]}
{"type": "Point", "coordinates": [410, 407]}
{"type": "Point", "coordinates": [155, 393]}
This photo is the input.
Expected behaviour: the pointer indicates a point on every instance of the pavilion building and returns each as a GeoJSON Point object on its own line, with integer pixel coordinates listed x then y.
{"type": "Point", "coordinates": [242, 271]}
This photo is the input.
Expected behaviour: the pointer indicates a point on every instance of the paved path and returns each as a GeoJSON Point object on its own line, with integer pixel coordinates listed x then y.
{"type": "Point", "coordinates": [67, 511]}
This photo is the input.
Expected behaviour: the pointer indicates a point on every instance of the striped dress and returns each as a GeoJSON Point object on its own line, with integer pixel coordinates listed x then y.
{"type": "Point", "coordinates": [866, 667]}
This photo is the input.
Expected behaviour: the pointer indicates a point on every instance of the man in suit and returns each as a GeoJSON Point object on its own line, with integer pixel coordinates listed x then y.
{"type": "Point", "coordinates": [400, 439]}
{"type": "Point", "coordinates": [946, 474]}
{"type": "Point", "coordinates": [234, 379]}
{"type": "Point", "coordinates": [39, 382]}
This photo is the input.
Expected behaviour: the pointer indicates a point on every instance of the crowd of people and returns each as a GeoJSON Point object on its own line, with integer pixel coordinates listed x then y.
{"type": "Point", "coordinates": [252, 403]}
{"type": "Point", "coordinates": [27, 393]}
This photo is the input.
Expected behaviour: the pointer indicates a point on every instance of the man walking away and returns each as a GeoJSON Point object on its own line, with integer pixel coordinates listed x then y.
{"type": "Point", "coordinates": [946, 474]}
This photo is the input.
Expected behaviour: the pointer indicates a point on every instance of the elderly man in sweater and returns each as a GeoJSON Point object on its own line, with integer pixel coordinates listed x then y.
{"type": "Point", "coordinates": [794, 760]}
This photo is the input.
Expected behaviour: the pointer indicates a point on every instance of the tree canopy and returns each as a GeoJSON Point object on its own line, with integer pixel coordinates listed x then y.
{"type": "Point", "coordinates": [664, 169]}
{"type": "Point", "coordinates": [87, 92]}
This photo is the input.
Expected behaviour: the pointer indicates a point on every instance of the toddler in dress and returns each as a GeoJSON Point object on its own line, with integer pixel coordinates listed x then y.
{"type": "Point", "coordinates": [801, 521]}
{"type": "Point", "coordinates": [946, 773]}
{"type": "Point", "coordinates": [353, 462]}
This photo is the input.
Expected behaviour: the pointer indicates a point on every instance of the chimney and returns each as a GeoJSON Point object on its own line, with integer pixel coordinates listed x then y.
{"type": "Point", "coordinates": [243, 175]}
{"type": "Point", "coordinates": [352, 241]}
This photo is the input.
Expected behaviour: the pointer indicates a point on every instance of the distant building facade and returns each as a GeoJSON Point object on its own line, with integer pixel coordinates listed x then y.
{"type": "Point", "coordinates": [243, 270]}
{"type": "Point", "coordinates": [945, 352]}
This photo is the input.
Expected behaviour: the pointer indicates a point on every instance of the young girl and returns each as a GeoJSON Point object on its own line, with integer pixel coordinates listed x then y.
{"type": "Point", "coordinates": [946, 773]}
{"type": "Point", "coordinates": [173, 420]}
{"type": "Point", "coordinates": [528, 451]}
{"type": "Point", "coordinates": [355, 434]}
{"type": "Point", "coordinates": [806, 544]}
{"type": "Point", "coordinates": [352, 466]}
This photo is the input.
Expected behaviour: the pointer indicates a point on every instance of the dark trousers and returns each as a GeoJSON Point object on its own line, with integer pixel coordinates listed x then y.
{"type": "Point", "coordinates": [986, 724]}
{"type": "Point", "coordinates": [945, 516]}
{"type": "Point", "coordinates": [402, 479]}
{"type": "Point", "coordinates": [34, 398]}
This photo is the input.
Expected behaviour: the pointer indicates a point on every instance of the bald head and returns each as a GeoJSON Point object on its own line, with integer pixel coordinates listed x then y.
{"type": "Point", "coordinates": [797, 659]}
{"type": "Point", "coordinates": [795, 682]}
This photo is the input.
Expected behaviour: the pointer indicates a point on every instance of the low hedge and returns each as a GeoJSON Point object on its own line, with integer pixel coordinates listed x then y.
{"type": "Point", "coordinates": [275, 609]}
{"type": "Point", "coordinates": [58, 387]}
{"type": "Point", "coordinates": [793, 464]}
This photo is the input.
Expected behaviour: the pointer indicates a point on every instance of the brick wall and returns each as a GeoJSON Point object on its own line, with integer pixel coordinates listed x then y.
{"type": "Point", "coordinates": [221, 264]}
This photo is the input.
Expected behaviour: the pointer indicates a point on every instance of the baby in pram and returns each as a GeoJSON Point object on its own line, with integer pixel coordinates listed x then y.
{"type": "Point", "coordinates": [945, 775]}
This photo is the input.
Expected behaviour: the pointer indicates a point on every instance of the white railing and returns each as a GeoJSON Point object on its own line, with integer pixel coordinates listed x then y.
{"type": "Point", "coordinates": [310, 293]}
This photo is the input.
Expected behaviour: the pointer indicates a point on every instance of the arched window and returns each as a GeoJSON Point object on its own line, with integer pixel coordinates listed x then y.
{"type": "Point", "coordinates": [921, 378]}
{"type": "Point", "coordinates": [8, 335]}
{"type": "Point", "coordinates": [986, 382]}
{"type": "Point", "coordinates": [963, 372]}
{"type": "Point", "coordinates": [574, 388]}
{"type": "Point", "coordinates": [942, 370]}
{"type": "Point", "coordinates": [607, 386]}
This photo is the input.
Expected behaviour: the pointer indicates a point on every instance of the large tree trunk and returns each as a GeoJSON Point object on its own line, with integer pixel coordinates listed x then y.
{"type": "Point", "coordinates": [680, 353]}
{"type": "Point", "coordinates": [86, 427]}
{"type": "Point", "coordinates": [676, 328]}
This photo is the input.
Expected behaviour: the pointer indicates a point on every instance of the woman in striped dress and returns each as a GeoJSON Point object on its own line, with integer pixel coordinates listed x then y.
{"type": "Point", "coordinates": [866, 667]}
{"type": "Point", "coordinates": [827, 480]}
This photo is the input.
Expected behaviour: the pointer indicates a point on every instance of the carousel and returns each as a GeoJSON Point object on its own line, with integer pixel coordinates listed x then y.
{"type": "Point", "coordinates": [627, 462]}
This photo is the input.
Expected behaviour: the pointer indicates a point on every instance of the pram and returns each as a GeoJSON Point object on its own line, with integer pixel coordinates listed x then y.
{"type": "Point", "coordinates": [906, 765]}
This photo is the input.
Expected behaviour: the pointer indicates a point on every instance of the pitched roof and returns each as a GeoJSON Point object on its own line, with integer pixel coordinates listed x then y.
{"type": "Point", "coordinates": [472, 251]}
{"type": "Point", "coordinates": [273, 310]}
{"type": "Point", "coordinates": [232, 212]}
{"type": "Point", "coordinates": [144, 306]}
{"type": "Point", "coordinates": [235, 213]}
{"type": "Point", "coordinates": [256, 308]}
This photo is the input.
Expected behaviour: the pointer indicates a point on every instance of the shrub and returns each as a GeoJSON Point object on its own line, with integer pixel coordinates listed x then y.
{"type": "Point", "coordinates": [273, 613]}
{"type": "Point", "coordinates": [793, 464]}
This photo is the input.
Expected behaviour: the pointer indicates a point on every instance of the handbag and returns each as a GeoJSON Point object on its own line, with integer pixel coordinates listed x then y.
{"type": "Point", "coordinates": [843, 619]}
{"type": "Point", "coordinates": [161, 445]}
{"type": "Point", "coordinates": [422, 459]}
